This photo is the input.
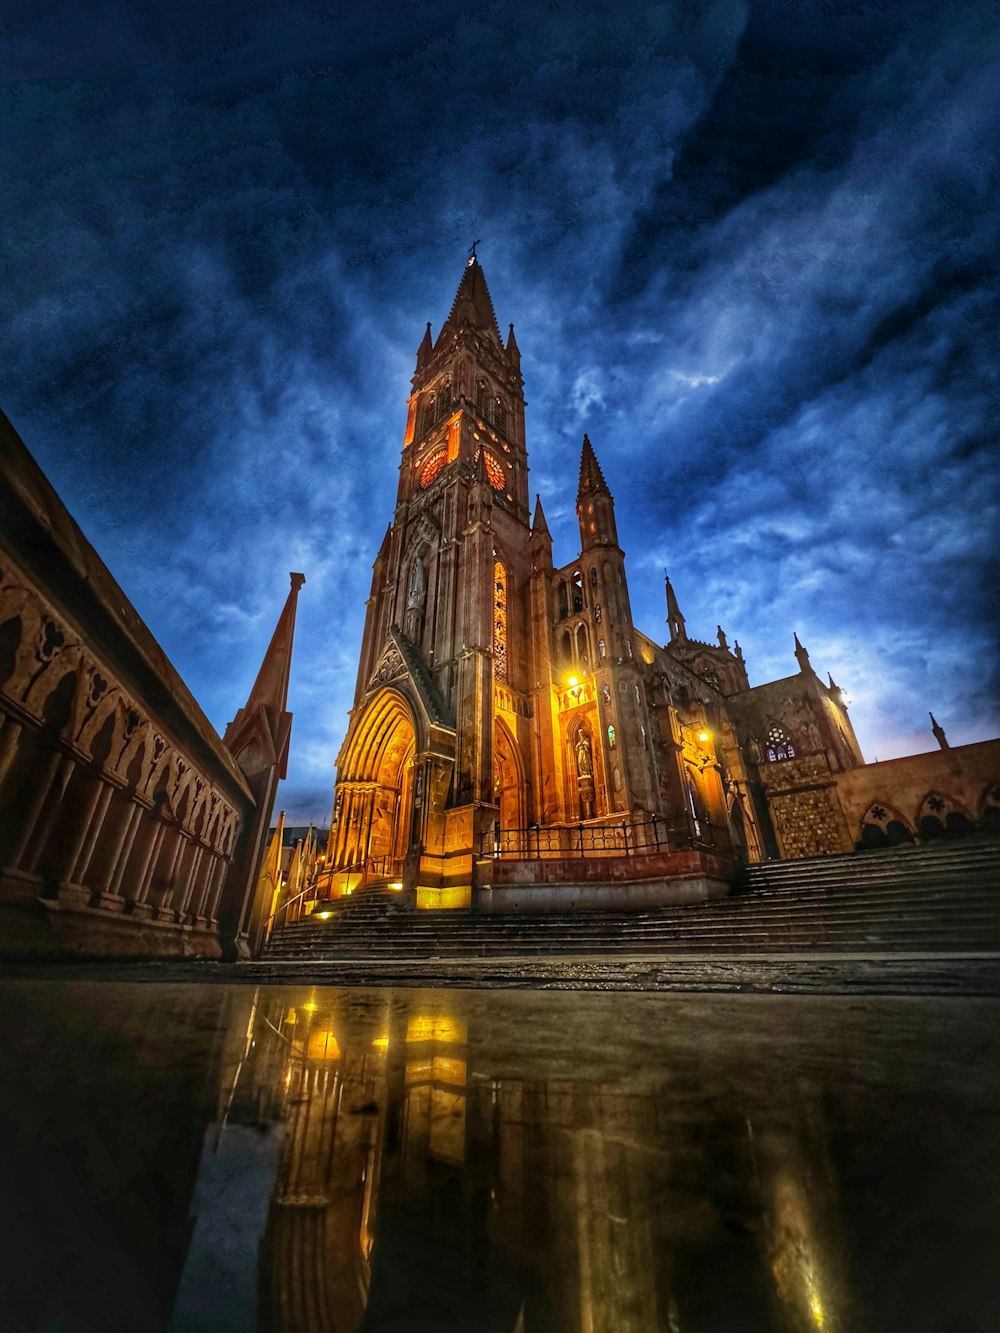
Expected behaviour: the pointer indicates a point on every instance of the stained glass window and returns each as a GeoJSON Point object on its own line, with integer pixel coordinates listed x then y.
{"type": "Point", "coordinates": [495, 472]}
{"type": "Point", "coordinates": [499, 621]}
{"type": "Point", "coordinates": [779, 745]}
{"type": "Point", "coordinates": [432, 467]}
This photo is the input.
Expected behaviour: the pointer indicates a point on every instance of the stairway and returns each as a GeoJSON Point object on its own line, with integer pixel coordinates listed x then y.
{"type": "Point", "coordinates": [936, 897]}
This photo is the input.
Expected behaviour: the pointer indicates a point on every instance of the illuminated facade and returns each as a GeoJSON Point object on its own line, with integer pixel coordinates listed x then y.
{"type": "Point", "coordinates": [512, 727]}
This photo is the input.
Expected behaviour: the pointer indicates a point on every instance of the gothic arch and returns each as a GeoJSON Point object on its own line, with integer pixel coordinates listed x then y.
{"type": "Point", "coordinates": [883, 826]}
{"type": "Point", "coordinates": [941, 817]}
{"type": "Point", "coordinates": [509, 784]}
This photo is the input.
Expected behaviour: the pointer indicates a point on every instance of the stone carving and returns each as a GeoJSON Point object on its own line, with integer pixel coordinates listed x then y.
{"type": "Point", "coordinates": [416, 593]}
{"type": "Point", "coordinates": [391, 667]}
{"type": "Point", "coordinates": [584, 757]}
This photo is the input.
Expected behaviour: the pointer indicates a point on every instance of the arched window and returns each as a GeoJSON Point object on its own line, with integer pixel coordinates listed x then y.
{"type": "Point", "coordinates": [563, 601]}
{"type": "Point", "coordinates": [428, 413]}
{"type": "Point", "coordinates": [597, 614]}
{"type": "Point", "coordinates": [601, 648]}
{"type": "Point", "coordinates": [444, 398]}
{"type": "Point", "coordinates": [582, 650]}
{"type": "Point", "coordinates": [482, 400]}
{"type": "Point", "coordinates": [567, 648]}
{"type": "Point", "coordinates": [611, 736]}
{"type": "Point", "coordinates": [500, 414]}
{"type": "Point", "coordinates": [779, 745]}
{"type": "Point", "coordinates": [593, 576]}
{"type": "Point", "coordinates": [499, 622]}
{"type": "Point", "coordinates": [577, 591]}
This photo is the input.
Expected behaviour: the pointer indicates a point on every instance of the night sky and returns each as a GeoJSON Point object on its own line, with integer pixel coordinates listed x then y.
{"type": "Point", "coordinates": [750, 248]}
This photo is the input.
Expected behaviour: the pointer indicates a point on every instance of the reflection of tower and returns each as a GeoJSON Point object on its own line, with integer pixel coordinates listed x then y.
{"type": "Point", "coordinates": [314, 1267]}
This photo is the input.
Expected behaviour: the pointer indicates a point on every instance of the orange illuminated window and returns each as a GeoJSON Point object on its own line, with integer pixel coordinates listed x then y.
{"type": "Point", "coordinates": [433, 466]}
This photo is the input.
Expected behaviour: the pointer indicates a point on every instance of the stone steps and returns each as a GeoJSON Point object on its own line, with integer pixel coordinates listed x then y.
{"type": "Point", "coordinates": [944, 897]}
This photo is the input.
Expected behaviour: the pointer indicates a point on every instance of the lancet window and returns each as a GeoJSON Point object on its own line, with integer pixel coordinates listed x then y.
{"type": "Point", "coordinates": [499, 622]}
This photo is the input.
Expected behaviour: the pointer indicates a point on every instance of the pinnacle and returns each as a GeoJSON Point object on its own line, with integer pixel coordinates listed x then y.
{"type": "Point", "coordinates": [591, 476]}
{"type": "Point", "coordinates": [538, 523]}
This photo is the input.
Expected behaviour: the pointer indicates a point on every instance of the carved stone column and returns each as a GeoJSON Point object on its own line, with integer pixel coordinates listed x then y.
{"type": "Point", "coordinates": [10, 734]}
{"type": "Point", "coordinates": [144, 871]}
{"type": "Point", "coordinates": [125, 848]}
{"type": "Point", "coordinates": [33, 814]}
{"type": "Point", "coordinates": [77, 873]}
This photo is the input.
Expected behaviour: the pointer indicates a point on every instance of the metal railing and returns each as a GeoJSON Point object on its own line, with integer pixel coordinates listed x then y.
{"type": "Point", "coordinates": [629, 837]}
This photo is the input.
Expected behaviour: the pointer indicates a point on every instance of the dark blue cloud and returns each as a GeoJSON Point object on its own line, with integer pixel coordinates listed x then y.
{"type": "Point", "coordinates": [751, 248]}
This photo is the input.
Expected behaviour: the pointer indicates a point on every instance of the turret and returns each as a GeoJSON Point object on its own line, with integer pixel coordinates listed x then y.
{"type": "Point", "coordinates": [540, 540]}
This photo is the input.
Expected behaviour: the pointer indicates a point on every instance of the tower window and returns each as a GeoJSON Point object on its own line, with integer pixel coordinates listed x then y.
{"type": "Point", "coordinates": [482, 400]}
{"type": "Point", "coordinates": [779, 745]}
{"type": "Point", "coordinates": [577, 591]}
{"type": "Point", "coordinates": [499, 622]}
{"type": "Point", "coordinates": [432, 467]}
{"type": "Point", "coordinates": [500, 414]}
{"type": "Point", "coordinates": [601, 648]}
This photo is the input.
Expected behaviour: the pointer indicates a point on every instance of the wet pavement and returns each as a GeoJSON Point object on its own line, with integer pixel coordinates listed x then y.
{"type": "Point", "coordinates": [295, 1157]}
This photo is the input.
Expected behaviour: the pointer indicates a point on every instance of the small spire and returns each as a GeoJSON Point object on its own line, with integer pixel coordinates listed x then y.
{"type": "Point", "coordinates": [721, 633]}
{"type": "Point", "coordinates": [591, 477]}
{"type": "Point", "coordinates": [834, 687]}
{"type": "Point", "coordinates": [538, 523]}
{"type": "Point", "coordinates": [426, 348]}
{"type": "Point", "coordinates": [269, 695]}
{"type": "Point", "coordinates": [938, 731]}
{"type": "Point", "coordinates": [513, 351]}
{"type": "Point", "coordinates": [802, 657]}
{"type": "Point", "coordinates": [737, 650]}
{"type": "Point", "coordinates": [675, 621]}
{"type": "Point", "coordinates": [383, 550]}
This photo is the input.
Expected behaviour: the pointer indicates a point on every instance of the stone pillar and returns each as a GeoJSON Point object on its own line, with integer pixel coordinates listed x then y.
{"type": "Point", "coordinates": [163, 910]}
{"type": "Point", "coordinates": [215, 890]}
{"type": "Point", "coordinates": [32, 815]}
{"type": "Point", "coordinates": [10, 734]}
{"type": "Point", "coordinates": [54, 807]}
{"type": "Point", "coordinates": [124, 851]}
{"type": "Point", "coordinates": [182, 906]}
{"type": "Point", "coordinates": [75, 848]}
{"type": "Point", "coordinates": [77, 873]}
{"type": "Point", "coordinates": [144, 871]}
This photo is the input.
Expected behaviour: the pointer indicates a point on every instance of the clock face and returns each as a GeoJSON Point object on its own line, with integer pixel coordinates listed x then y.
{"type": "Point", "coordinates": [495, 471]}
{"type": "Point", "coordinates": [432, 467]}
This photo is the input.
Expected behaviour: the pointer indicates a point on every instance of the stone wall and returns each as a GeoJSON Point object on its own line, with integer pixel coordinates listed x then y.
{"type": "Point", "coordinates": [121, 810]}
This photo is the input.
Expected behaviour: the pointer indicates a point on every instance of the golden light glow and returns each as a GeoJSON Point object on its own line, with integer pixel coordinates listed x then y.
{"type": "Point", "coordinates": [397, 885]}
{"type": "Point", "coordinates": [381, 1043]}
{"type": "Point", "coordinates": [573, 682]}
{"type": "Point", "coordinates": [435, 1027]}
{"type": "Point", "coordinates": [704, 736]}
{"type": "Point", "coordinates": [323, 1046]}
{"type": "Point", "coordinates": [324, 916]}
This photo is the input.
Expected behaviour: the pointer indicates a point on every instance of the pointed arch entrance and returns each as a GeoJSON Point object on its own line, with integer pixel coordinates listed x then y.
{"type": "Point", "coordinates": [509, 787]}
{"type": "Point", "coordinates": [374, 802]}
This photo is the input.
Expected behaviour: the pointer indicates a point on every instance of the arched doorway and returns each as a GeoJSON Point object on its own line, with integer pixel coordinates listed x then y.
{"type": "Point", "coordinates": [508, 779]}
{"type": "Point", "coordinates": [374, 803]}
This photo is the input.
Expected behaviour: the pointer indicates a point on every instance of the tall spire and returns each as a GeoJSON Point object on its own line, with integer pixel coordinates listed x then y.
{"type": "Point", "coordinates": [591, 477]}
{"type": "Point", "coordinates": [538, 523]}
{"type": "Point", "coordinates": [675, 621]}
{"type": "Point", "coordinates": [472, 303]}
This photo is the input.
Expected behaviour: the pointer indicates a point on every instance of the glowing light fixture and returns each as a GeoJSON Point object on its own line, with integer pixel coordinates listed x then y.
{"type": "Point", "coordinates": [324, 916]}
{"type": "Point", "coordinates": [573, 682]}
{"type": "Point", "coordinates": [396, 884]}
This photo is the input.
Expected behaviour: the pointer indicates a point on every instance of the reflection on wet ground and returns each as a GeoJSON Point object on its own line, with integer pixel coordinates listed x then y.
{"type": "Point", "coordinates": [286, 1159]}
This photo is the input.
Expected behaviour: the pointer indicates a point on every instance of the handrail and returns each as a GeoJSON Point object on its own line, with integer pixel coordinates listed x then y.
{"type": "Point", "coordinates": [284, 908]}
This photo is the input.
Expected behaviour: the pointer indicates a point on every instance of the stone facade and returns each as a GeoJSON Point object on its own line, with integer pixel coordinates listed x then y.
{"type": "Point", "coordinates": [500, 694]}
{"type": "Point", "coordinates": [126, 824]}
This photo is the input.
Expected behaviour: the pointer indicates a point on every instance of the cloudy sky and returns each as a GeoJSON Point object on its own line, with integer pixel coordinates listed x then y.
{"type": "Point", "coordinates": [751, 248]}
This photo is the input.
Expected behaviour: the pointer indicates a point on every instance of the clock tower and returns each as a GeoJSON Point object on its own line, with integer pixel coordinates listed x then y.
{"type": "Point", "coordinates": [435, 749]}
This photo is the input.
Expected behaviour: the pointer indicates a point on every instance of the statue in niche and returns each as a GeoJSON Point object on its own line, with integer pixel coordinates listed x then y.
{"type": "Point", "coordinates": [416, 592]}
{"type": "Point", "coordinates": [584, 757]}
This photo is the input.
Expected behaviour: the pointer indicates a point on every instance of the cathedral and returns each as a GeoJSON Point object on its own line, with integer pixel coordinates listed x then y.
{"type": "Point", "coordinates": [516, 741]}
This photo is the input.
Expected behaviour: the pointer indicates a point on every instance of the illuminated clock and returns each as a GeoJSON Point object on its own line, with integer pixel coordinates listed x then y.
{"type": "Point", "coordinates": [432, 467]}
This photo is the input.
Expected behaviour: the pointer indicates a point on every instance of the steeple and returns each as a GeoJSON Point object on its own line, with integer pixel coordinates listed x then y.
{"type": "Point", "coordinates": [675, 621]}
{"type": "Point", "coordinates": [539, 527]}
{"type": "Point", "coordinates": [268, 699]}
{"type": "Point", "coordinates": [472, 304]}
{"type": "Point", "coordinates": [802, 657]}
{"type": "Point", "coordinates": [595, 507]}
